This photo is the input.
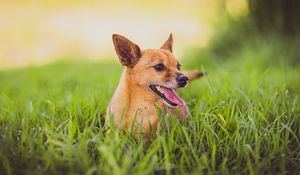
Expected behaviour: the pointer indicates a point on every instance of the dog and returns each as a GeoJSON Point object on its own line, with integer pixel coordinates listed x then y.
{"type": "Point", "coordinates": [148, 82]}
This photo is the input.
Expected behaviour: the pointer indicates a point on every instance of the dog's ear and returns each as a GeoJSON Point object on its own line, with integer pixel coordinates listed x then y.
{"type": "Point", "coordinates": [128, 52]}
{"type": "Point", "coordinates": [168, 45]}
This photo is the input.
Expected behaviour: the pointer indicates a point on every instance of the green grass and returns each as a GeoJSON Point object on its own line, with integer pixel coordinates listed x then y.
{"type": "Point", "coordinates": [245, 119]}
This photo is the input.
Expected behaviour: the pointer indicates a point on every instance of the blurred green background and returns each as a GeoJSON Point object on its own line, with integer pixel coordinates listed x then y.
{"type": "Point", "coordinates": [38, 32]}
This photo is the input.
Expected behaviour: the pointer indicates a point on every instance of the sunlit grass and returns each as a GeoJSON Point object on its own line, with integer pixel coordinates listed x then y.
{"type": "Point", "coordinates": [245, 119]}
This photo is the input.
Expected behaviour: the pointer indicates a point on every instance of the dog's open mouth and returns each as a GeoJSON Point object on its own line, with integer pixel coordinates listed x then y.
{"type": "Point", "coordinates": [168, 95]}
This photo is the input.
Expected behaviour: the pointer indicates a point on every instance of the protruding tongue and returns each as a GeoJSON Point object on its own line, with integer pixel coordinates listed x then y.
{"type": "Point", "coordinates": [171, 95]}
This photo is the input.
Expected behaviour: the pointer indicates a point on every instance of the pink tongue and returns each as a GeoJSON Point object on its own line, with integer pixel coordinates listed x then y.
{"type": "Point", "coordinates": [172, 96]}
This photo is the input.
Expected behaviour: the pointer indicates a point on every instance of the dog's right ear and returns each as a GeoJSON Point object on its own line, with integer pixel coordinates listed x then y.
{"type": "Point", "coordinates": [168, 45]}
{"type": "Point", "coordinates": [128, 52]}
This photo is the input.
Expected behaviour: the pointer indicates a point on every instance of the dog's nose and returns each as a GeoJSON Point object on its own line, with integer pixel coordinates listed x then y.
{"type": "Point", "coordinates": [182, 80]}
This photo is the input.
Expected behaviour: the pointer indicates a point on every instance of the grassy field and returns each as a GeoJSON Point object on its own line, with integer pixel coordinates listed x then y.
{"type": "Point", "coordinates": [245, 119]}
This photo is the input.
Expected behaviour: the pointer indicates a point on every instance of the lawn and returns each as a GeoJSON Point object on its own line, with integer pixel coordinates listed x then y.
{"type": "Point", "coordinates": [245, 119]}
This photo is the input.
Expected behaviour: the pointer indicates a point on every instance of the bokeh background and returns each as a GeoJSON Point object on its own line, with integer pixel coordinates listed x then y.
{"type": "Point", "coordinates": [39, 32]}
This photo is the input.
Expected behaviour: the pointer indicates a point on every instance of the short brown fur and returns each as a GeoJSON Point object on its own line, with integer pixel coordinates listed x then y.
{"type": "Point", "coordinates": [133, 100]}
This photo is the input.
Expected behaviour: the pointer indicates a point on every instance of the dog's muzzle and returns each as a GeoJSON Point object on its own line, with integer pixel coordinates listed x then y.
{"type": "Point", "coordinates": [182, 80]}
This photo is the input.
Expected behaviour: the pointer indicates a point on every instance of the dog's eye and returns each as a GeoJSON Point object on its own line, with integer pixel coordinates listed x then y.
{"type": "Point", "coordinates": [178, 66]}
{"type": "Point", "coordinates": [159, 67]}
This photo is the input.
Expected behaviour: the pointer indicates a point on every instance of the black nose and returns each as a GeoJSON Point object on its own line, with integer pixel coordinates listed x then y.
{"type": "Point", "coordinates": [182, 80]}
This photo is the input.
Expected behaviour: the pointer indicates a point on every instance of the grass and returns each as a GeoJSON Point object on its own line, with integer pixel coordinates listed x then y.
{"type": "Point", "coordinates": [245, 119]}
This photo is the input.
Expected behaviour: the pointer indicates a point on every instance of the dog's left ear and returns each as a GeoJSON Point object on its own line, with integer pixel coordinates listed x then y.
{"type": "Point", "coordinates": [128, 52]}
{"type": "Point", "coordinates": [168, 45]}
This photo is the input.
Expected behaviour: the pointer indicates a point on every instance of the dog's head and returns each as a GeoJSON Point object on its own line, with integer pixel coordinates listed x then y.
{"type": "Point", "coordinates": [156, 69]}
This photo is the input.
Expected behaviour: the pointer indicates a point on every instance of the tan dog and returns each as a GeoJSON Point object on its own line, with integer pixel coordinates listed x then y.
{"type": "Point", "coordinates": [149, 80]}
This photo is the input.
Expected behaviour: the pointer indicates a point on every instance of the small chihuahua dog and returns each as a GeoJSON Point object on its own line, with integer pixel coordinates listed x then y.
{"type": "Point", "coordinates": [149, 81]}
